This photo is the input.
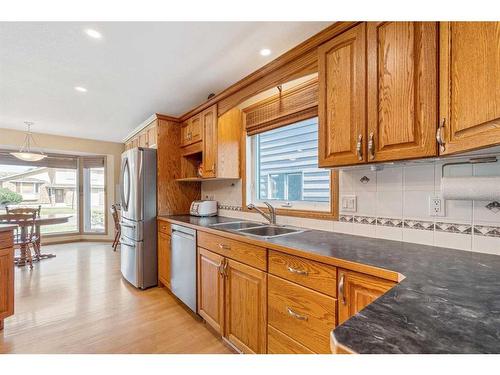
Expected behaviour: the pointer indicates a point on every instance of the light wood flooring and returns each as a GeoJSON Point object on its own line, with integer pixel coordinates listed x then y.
{"type": "Point", "coordinates": [78, 303]}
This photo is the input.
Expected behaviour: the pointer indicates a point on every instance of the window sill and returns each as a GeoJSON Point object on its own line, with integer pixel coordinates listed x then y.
{"type": "Point", "coordinates": [319, 215]}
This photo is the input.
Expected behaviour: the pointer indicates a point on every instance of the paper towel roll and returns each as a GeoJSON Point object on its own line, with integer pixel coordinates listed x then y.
{"type": "Point", "coordinates": [471, 188]}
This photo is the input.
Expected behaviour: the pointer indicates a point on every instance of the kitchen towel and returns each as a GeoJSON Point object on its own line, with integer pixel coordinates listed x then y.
{"type": "Point", "coordinates": [471, 188]}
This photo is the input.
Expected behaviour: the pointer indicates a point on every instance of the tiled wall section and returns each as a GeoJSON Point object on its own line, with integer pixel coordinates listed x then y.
{"type": "Point", "coordinates": [393, 204]}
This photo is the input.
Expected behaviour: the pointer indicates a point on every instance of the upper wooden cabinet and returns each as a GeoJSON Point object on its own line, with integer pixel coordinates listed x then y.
{"type": "Point", "coordinates": [209, 125]}
{"type": "Point", "coordinates": [191, 131]}
{"type": "Point", "coordinates": [400, 87]}
{"type": "Point", "coordinates": [341, 110]}
{"type": "Point", "coordinates": [356, 291]}
{"type": "Point", "coordinates": [402, 90]}
{"type": "Point", "coordinates": [469, 85]}
{"type": "Point", "coordinates": [147, 137]}
{"type": "Point", "coordinates": [219, 151]}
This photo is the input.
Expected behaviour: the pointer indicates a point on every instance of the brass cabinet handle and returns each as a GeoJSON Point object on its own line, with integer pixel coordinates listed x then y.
{"type": "Point", "coordinates": [297, 271]}
{"type": "Point", "coordinates": [371, 146]}
{"type": "Point", "coordinates": [439, 136]}
{"type": "Point", "coordinates": [359, 147]}
{"type": "Point", "coordinates": [224, 269]}
{"type": "Point", "coordinates": [224, 246]}
{"type": "Point", "coordinates": [295, 315]}
{"type": "Point", "coordinates": [220, 268]}
{"type": "Point", "coordinates": [341, 288]}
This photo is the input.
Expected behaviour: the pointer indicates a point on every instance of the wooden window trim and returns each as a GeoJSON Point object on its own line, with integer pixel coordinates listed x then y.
{"type": "Point", "coordinates": [333, 213]}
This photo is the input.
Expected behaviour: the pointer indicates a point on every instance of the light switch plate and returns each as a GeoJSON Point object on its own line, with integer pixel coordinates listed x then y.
{"type": "Point", "coordinates": [348, 203]}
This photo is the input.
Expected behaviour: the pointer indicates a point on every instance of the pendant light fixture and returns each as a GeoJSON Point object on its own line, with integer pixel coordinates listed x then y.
{"type": "Point", "coordinates": [25, 150]}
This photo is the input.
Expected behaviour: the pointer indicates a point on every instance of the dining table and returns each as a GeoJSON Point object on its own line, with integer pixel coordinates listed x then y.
{"type": "Point", "coordinates": [40, 221]}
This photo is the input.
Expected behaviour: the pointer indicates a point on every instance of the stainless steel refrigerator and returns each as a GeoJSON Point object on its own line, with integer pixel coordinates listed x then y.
{"type": "Point", "coordinates": [139, 263]}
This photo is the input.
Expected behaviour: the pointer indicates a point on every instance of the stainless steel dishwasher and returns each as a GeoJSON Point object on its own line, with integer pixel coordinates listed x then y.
{"type": "Point", "coordinates": [183, 265]}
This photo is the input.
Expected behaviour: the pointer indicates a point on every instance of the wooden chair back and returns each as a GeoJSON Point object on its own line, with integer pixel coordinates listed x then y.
{"type": "Point", "coordinates": [116, 216]}
{"type": "Point", "coordinates": [26, 230]}
{"type": "Point", "coordinates": [24, 210]}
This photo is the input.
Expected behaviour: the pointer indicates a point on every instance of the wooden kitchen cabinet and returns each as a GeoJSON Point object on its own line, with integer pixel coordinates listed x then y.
{"type": "Point", "coordinates": [342, 89]}
{"type": "Point", "coordinates": [164, 258]}
{"type": "Point", "coordinates": [402, 90]}
{"type": "Point", "coordinates": [232, 296]}
{"type": "Point", "coordinates": [356, 291]}
{"type": "Point", "coordinates": [209, 123]}
{"type": "Point", "coordinates": [245, 307]}
{"type": "Point", "coordinates": [469, 80]}
{"type": "Point", "coordinates": [6, 276]}
{"type": "Point", "coordinates": [211, 289]}
{"type": "Point", "coordinates": [191, 130]}
{"type": "Point", "coordinates": [399, 118]}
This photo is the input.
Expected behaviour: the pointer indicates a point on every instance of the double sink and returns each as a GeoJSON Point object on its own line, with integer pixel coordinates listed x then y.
{"type": "Point", "coordinates": [253, 229]}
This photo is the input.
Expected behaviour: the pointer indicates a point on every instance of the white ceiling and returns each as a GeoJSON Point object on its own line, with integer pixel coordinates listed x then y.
{"type": "Point", "coordinates": [135, 70]}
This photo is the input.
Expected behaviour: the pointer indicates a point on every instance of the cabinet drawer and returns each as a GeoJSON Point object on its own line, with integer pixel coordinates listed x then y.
{"type": "Point", "coordinates": [314, 275]}
{"type": "Point", "coordinates": [303, 314]}
{"type": "Point", "coordinates": [164, 227]}
{"type": "Point", "coordinates": [251, 255]}
{"type": "Point", "coordinates": [279, 343]}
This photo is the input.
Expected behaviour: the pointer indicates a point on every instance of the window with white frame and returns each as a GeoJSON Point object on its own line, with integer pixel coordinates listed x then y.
{"type": "Point", "coordinates": [285, 169]}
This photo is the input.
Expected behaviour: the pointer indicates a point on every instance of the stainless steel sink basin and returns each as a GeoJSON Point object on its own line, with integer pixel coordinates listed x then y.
{"type": "Point", "coordinates": [249, 228]}
{"type": "Point", "coordinates": [270, 231]}
{"type": "Point", "coordinates": [236, 225]}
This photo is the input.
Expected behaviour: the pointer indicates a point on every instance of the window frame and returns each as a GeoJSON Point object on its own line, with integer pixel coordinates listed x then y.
{"type": "Point", "coordinates": [309, 210]}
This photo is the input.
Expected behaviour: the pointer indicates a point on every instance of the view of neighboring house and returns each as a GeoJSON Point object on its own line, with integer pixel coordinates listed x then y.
{"type": "Point", "coordinates": [46, 186]}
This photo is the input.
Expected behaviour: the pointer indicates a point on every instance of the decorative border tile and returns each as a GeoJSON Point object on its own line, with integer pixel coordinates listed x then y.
{"type": "Point", "coordinates": [229, 207]}
{"type": "Point", "coordinates": [454, 228]}
{"type": "Point", "coordinates": [389, 222]}
{"type": "Point", "coordinates": [370, 220]}
{"type": "Point", "coordinates": [487, 231]}
{"type": "Point", "coordinates": [346, 218]}
{"type": "Point", "coordinates": [418, 224]}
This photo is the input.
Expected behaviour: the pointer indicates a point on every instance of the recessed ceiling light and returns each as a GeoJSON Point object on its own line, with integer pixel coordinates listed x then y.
{"type": "Point", "coordinates": [93, 33]}
{"type": "Point", "coordinates": [265, 51]}
{"type": "Point", "coordinates": [80, 89]}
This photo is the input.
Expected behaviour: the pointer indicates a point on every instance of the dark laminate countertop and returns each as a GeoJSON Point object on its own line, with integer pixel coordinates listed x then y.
{"type": "Point", "coordinates": [449, 301]}
{"type": "Point", "coordinates": [7, 227]}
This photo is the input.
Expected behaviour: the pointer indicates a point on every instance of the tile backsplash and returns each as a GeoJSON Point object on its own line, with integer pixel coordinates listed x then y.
{"type": "Point", "coordinates": [393, 203]}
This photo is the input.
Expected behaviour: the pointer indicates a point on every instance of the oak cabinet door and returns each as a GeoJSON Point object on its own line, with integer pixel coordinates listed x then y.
{"type": "Point", "coordinates": [164, 254]}
{"type": "Point", "coordinates": [356, 291]}
{"type": "Point", "coordinates": [211, 289]}
{"type": "Point", "coordinates": [209, 123]}
{"type": "Point", "coordinates": [341, 108]}
{"type": "Point", "coordinates": [151, 135]}
{"type": "Point", "coordinates": [469, 85]}
{"type": "Point", "coordinates": [6, 283]}
{"type": "Point", "coordinates": [402, 90]}
{"type": "Point", "coordinates": [245, 307]}
{"type": "Point", "coordinates": [195, 129]}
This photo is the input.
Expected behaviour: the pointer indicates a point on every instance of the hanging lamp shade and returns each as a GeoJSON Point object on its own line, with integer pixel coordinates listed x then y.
{"type": "Point", "coordinates": [25, 152]}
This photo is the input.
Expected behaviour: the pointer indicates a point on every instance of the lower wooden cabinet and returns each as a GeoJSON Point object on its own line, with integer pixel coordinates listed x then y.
{"type": "Point", "coordinates": [304, 315]}
{"type": "Point", "coordinates": [279, 343]}
{"type": "Point", "coordinates": [245, 307]}
{"type": "Point", "coordinates": [164, 254]}
{"type": "Point", "coordinates": [6, 276]}
{"type": "Point", "coordinates": [232, 300]}
{"type": "Point", "coordinates": [211, 289]}
{"type": "Point", "coordinates": [357, 290]}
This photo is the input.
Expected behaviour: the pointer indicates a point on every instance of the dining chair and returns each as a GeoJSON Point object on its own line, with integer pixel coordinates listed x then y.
{"type": "Point", "coordinates": [115, 212]}
{"type": "Point", "coordinates": [25, 236]}
{"type": "Point", "coordinates": [29, 210]}
{"type": "Point", "coordinates": [24, 210]}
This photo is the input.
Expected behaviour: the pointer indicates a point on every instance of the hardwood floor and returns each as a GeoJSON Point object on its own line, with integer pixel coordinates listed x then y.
{"type": "Point", "coordinates": [78, 303]}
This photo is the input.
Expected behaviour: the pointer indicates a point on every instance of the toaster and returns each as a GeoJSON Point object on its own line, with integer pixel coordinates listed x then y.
{"type": "Point", "coordinates": [203, 208]}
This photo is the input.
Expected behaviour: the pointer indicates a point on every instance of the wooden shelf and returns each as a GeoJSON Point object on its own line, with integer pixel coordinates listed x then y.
{"type": "Point", "coordinates": [197, 179]}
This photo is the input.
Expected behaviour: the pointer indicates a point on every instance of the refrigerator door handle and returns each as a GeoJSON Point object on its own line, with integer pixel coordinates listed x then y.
{"type": "Point", "coordinates": [125, 174]}
{"type": "Point", "coordinates": [127, 244]}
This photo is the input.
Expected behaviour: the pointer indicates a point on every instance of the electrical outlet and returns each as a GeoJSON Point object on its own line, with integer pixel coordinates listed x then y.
{"type": "Point", "coordinates": [436, 206]}
{"type": "Point", "coordinates": [348, 203]}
